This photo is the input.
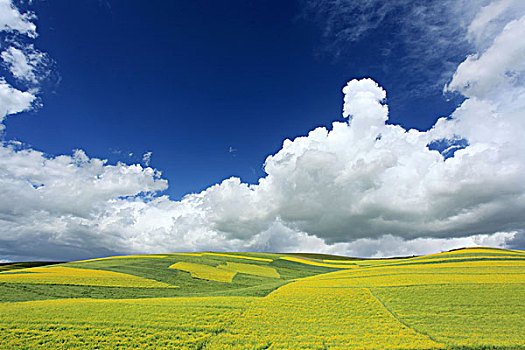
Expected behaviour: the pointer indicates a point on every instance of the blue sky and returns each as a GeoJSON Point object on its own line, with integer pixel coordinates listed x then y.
{"type": "Point", "coordinates": [363, 128]}
{"type": "Point", "coordinates": [189, 80]}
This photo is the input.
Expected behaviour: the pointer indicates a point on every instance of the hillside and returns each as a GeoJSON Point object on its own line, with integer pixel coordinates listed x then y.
{"type": "Point", "coordinates": [468, 298]}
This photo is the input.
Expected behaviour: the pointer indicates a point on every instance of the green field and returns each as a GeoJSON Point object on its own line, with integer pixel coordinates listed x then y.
{"type": "Point", "coordinates": [464, 299]}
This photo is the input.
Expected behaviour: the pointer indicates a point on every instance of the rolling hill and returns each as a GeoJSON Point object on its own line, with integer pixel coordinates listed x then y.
{"type": "Point", "coordinates": [463, 299]}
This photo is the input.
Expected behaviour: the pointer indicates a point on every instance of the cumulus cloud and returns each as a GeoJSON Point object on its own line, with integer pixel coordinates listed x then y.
{"type": "Point", "coordinates": [362, 187]}
{"type": "Point", "coordinates": [479, 74]}
{"type": "Point", "coordinates": [63, 198]}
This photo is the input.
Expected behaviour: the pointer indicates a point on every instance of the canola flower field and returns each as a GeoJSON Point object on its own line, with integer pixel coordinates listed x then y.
{"type": "Point", "coordinates": [464, 299]}
{"type": "Point", "coordinates": [69, 275]}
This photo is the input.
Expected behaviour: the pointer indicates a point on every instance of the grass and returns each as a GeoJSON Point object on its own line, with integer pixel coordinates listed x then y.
{"type": "Point", "coordinates": [475, 315]}
{"type": "Point", "coordinates": [463, 299]}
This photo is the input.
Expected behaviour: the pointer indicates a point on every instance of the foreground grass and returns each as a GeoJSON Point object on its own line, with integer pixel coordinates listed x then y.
{"type": "Point", "coordinates": [464, 299]}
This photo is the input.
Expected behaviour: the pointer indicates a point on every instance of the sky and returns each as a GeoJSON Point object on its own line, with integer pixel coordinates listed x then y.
{"type": "Point", "coordinates": [363, 128]}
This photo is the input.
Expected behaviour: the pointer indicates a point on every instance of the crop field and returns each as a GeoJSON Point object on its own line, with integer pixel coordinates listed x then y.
{"type": "Point", "coordinates": [69, 275]}
{"type": "Point", "coordinates": [464, 299]}
{"type": "Point", "coordinates": [128, 323]}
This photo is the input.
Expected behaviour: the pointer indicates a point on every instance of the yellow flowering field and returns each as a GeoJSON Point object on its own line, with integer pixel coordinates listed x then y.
{"type": "Point", "coordinates": [205, 272]}
{"type": "Point", "coordinates": [250, 269]}
{"type": "Point", "coordinates": [412, 279]}
{"type": "Point", "coordinates": [411, 275]}
{"type": "Point", "coordinates": [74, 276]}
{"type": "Point", "coordinates": [467, 254]}
{"type": "Point", "coordinates": [474, 316]}
{"type": "Point", "coordinates": [478, 251]}
{"type": "Point", "coordinates": [316, 318]}
{"type": "Point", "coordinates": [475, 305]}
{"type": "Point", "coordinates": [159, 323]}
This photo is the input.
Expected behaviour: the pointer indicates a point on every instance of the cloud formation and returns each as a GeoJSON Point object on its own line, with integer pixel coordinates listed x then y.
{"type": "Point", "coordinates": [363, 187]}
{"type": "Point", "coordinates": [25, 63]}
{"type": "Point", "coordinates": [11, 20]}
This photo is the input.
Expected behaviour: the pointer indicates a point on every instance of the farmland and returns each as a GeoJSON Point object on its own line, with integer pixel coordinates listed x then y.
{"type": "Point", "coordinates": [463, 299]}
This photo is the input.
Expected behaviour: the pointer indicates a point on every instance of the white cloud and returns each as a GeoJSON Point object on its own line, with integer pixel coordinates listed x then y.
{"type": "Point", "coordinates": [23, 63]}
{"type": "Point", "coordinates": [57, 202]}
{"type": "Point", "coordinates": [389, 245]}
{"type": "Point", "coordinates": [501, 65]}
{"type": "Point", "coordinates": [12, 20]}
{"type": "Point", "coordinates": [22, 60]}
{"type": "Point", "coordinates": [13, 101]}
{"type": "Point", "coordinates": [490, 20]}
{"type": "Point", "coordinates": [146, 158]}
{"type": "Point", "coordinates": [364, 188]}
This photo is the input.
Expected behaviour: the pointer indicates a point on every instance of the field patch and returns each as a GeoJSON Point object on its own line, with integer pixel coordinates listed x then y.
{"type": "Point", "coordinates": [74, 276]}
{"type": "Point", "coordinates": [476, 272]}
{"type": "Point", "coordinates": [225, 273]}
{"type": "Point", "coordinates": [250, 269]}
{"type": "Point", "coordinates": [205, 272]}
